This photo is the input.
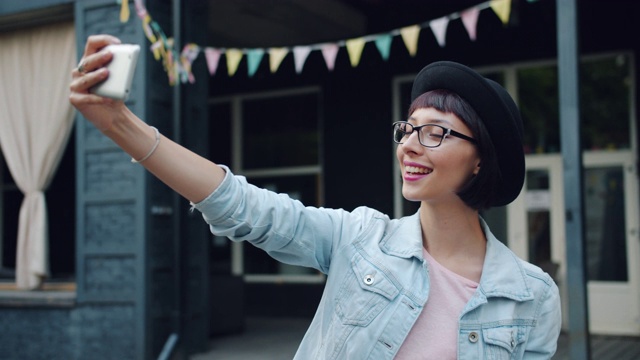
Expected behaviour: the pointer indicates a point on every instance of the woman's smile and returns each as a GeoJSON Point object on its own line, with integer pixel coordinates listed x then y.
{"type": "Point", "coordinates": [414, 172]}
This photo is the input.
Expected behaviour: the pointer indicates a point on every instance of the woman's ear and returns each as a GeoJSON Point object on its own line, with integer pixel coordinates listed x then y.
{"type": "Point", "coordinates": [476, 170]}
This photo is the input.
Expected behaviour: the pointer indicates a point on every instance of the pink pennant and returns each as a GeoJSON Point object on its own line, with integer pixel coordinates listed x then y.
{"type": "Point", "coordinates": [140, 9]}
{"type": "Point", "coordinates": [213, 59]}
{"type": "Point", "coordinates": [470, 20]}
{"type": "Point", "coordinates": [439, 28]}
{"type": "Point", "coordinates": [330, 52]}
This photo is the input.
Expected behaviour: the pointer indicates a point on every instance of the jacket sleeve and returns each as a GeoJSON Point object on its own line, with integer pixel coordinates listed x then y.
{"type": "Point", "coordinates": [543, 339]}
{"type": "Point", "coordinates": [283, 227]}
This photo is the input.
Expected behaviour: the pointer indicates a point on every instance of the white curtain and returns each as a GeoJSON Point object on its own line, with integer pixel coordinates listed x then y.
{"type": "Point", "coordinates": [35, 121]}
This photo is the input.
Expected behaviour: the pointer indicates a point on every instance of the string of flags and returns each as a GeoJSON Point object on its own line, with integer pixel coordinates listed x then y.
{"type": "Point", "coordinates": [178, 64]}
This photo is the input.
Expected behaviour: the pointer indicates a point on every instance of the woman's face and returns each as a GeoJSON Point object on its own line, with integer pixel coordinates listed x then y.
{"type": "Point", "coordinates": [436, 174]}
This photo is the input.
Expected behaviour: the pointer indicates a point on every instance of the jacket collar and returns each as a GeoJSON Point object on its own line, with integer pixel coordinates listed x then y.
{"type": "Point", "coordinates": [503, 274]}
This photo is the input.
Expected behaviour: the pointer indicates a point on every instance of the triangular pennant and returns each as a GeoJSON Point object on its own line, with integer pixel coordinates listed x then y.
{"type": "Point", "coordinates": [189, 54]}
{"type": "Point", "coordinates": [234, 56]}
{"type": "Point", "coordinates": [470, 21]}
{"type": "Point", "coordinates": [124, 11]}
{"type": "Point", "coordinates": [254, 57]}
{"type": "Point", "coordinates": [354, 49]}
{"type": "Point", "coordinates": [148, 31]}
{"type": "Point", "coordinates": [383, 43]}
{"type": "Point", "coordinates": [276, 55]}
{"type": "Point", "coordinates": [410, 37]}
{"type": "Point", "coordinates": [502, 8]}
{"type": "Point", "coordinates": [300, 54]}
{"type": "Point", "coordinates": [213, 58]}
{"type": "Point", "coordinates": [140, 9]}
{"type": "Point", "coordinates": [439, 28]}
{"type": "Point", "coordinates": [330, 53]}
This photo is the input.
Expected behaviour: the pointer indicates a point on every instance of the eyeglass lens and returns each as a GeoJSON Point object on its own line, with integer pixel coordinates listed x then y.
{"type": "Point", "coordinates": [429, 135]}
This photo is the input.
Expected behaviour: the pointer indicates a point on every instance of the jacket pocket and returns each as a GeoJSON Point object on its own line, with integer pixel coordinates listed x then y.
{"type": "Point", "coordinates": [502, 342]}
{"type": "Point", "coordinates": [364, 293]}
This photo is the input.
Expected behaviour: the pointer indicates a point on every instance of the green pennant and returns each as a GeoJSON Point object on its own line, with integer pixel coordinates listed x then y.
{"type": "Point", "coordinates": [383, 43]}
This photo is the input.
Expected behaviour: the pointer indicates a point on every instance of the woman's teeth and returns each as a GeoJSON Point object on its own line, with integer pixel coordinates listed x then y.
{"type": "Point", "coordinates": [417, 170]}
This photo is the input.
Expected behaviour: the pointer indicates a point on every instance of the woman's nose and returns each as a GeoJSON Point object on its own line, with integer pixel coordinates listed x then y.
{"type": "Point", "coordinates": [412, 143]}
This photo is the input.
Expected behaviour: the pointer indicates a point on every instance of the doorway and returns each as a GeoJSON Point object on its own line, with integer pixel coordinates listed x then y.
{"type": "Point", "coordinates": [536, 230]}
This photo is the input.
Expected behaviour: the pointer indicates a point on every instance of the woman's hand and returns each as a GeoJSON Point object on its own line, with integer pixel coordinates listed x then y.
{"type": "Point", "coordinates": [191, 175]}
{"type": "Point", "coordinates": [100, 111]}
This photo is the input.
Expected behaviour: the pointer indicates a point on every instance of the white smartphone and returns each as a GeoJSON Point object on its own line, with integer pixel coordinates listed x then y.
{"type": "Point", "coordinates": [121, 69]}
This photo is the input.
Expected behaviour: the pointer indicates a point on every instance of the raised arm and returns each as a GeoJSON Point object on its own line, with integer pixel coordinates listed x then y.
{"type": "Point", "coordinates": [189, 174]}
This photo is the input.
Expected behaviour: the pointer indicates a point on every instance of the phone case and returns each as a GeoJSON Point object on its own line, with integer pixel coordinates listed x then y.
{"type": "Point", "coordinates": [121, 69]}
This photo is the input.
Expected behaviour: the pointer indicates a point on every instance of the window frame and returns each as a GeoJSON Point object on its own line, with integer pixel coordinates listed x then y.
{"type": "Point", "coordinates": [237, 152]}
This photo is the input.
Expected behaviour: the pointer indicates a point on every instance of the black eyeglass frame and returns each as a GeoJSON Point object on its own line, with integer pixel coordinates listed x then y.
{"type": "Point", "coordinates": [447, 132]}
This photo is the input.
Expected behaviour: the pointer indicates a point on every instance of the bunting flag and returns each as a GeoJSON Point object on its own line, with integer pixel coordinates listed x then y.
{"type": "Point", "coordinates": [300, 54]}
{"type": "Point", "coordinates": [439, 28]}
{"type": "Point", "coordinates": [188, 55]}
{"type": "Point", "coordinates": [212, 56]}
{"type": "Point", "coordinates": [502, 8]}
{"type": "Point", "coordinates": [330, 53]}
{"type": "Point", "coordinates": [178, 65]}
{"type": "Point", "coordinates": [276, 55]}
{"type": "Point", "coordinates": [383, 43]}
{"type": "Point", "coordinates": [469, 19]}
{"type": "Point", "coordinates": [234, 56]}
{"type": "Point", "coordinates": [354, 49]}
{"type": "Point", "coordinates": [410, 35]}
{"type": "Point", "coordinates": [124, 11]}
{"type": "Point", "coordinates": [254, 57]}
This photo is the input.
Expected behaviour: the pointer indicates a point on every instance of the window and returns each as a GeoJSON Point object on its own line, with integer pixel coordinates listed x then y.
{"type": "Point", "coordinates": [276, 145]}
{"type": "Point", "coordinates": [60, 199]}
{"type": "Point", "coordinates": [604, 104]}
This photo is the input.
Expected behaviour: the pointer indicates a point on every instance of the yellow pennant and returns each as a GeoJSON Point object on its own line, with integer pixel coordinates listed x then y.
{"type": "Point", "coordinates": [276, 55]}
{"type": "Point", "coordinates": [410, 37]}
{"type": "Point", "coordinates": [502, 8]}
{"type": "Point", "coordinates": [234, 56]}
{"type": "Point", "coordinates": [354, 48]}
{"type": "Point", "coordinates": [124, 11]}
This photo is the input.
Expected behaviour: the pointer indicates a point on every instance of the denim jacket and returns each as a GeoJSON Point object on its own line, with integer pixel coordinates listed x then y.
{"type": "Point", "coordinates": [378, 281]}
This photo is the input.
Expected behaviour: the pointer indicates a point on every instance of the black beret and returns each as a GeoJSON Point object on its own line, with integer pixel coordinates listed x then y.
{"type": "Point", "coordinates": [496, 109]}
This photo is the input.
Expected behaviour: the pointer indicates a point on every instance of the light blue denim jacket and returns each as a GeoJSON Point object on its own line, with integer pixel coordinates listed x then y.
{"type": "Point", "coordinates": [378, 281]}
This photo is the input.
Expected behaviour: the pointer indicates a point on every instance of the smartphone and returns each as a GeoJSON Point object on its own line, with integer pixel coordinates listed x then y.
{"type": "Point", "coordinates": [121, 69]}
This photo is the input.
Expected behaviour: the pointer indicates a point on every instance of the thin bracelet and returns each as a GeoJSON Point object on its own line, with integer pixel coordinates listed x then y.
{"type": "Point", "coordinates": [153, 149]}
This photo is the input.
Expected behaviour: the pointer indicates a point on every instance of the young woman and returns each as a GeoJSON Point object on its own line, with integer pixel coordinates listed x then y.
{"type": "Point", "coordinates": [434, 285]}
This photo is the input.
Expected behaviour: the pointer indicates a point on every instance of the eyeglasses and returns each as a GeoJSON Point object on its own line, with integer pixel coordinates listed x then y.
{"type": "Point", "coordinates": [429, 135]}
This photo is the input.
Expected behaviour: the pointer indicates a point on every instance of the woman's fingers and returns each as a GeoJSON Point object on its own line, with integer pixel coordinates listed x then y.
{"type": "Point", "coordinates": [90, 71]}
{"type": "Point", "coordinates": [90, 63]}
{"type": "Point", "coordinates": [93, 57]}
{"type": "Point", "coordinates": [97, 42]}
{"type": "Point", "coordinates": [82, 82]}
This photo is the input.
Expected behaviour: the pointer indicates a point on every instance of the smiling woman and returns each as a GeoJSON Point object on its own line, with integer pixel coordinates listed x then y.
{"type": "Point", "coordinates": [456, 289]}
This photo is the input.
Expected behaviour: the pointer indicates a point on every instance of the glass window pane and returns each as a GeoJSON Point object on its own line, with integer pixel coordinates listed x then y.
{"type": "Point", "coordinates": [538, 103]}
{"type": "Point", "coordinates": [299, 187]}
{"type": "Point", "coordinates": [280, 132]}
{"type": "Point", "coordinates": [538, 203]}
{"type": "Point", "coordinates": [605, 224]}
{"type": "Point", "coordinates": [604, 103]}
{"type": "Point", "coordinates": [220, 116]}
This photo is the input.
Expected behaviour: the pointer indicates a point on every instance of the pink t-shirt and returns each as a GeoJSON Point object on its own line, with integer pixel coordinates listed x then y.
{"type": "Point", "coordinates": [435, 333]}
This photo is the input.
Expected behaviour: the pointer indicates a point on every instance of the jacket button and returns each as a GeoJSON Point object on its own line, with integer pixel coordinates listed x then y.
{"type": "Point", "coordinates": [473, 337]}
{"type": "Point", "coordinates": [369, 279]}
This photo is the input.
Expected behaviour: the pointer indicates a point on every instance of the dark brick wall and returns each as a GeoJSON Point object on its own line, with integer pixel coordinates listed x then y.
{"type": "Point", "coordinates": [37, 333]}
